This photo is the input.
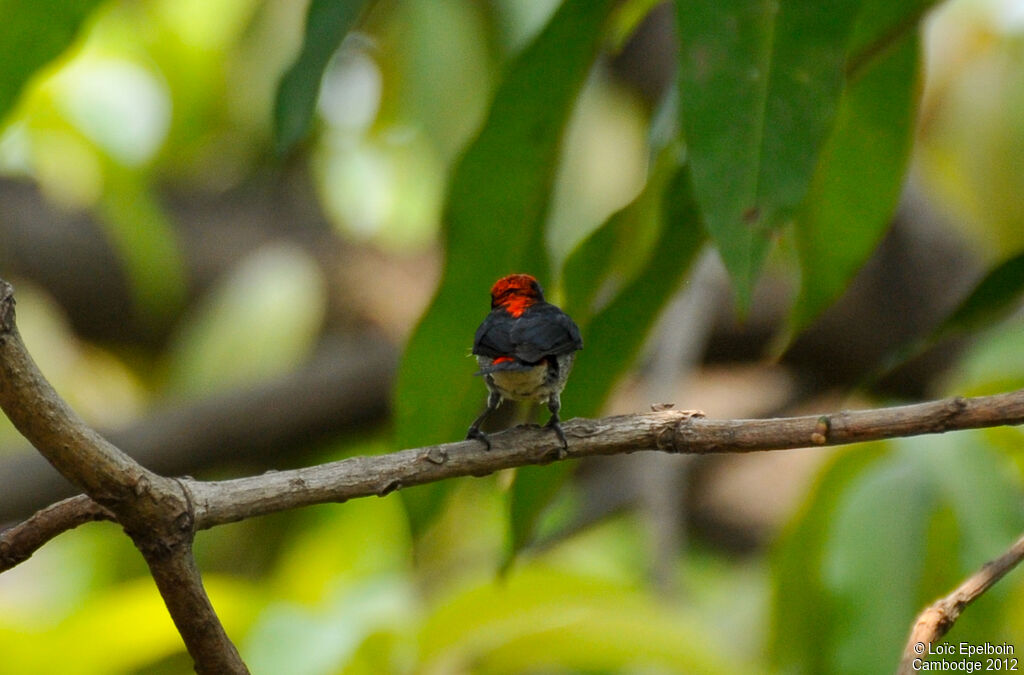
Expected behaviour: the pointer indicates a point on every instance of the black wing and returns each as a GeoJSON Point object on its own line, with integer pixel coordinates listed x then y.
{"type": "Point", "coordinates": [494, 336]}
{"type": "Point", "coordinates": [543, 330]}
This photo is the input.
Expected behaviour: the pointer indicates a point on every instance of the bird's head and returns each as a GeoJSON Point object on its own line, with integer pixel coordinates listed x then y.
{"type": "Point", "coordinates": [515, 293]}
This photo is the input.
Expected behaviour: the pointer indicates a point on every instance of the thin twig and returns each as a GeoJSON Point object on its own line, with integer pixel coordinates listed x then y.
{"type": "Point", "coordinates": [18, 543]}
{"type": "Point", "coordinates": [936, 619]}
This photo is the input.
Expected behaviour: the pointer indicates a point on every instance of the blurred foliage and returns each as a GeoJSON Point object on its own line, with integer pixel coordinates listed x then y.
{"type": "Point", "coordinates": [494, 224]}
{"type": "Point", "coordinates": [759, 85]}
{"type": "Point", "coordinates": [327, 23]}
{"type": "Point", "coordinates": [38, 32]}
{"type": "Point", "coordinates": [498, 129]}
{"type": "Point", "coordinates": [236, 336]}
{"type": "Point", "coordinates": [942, 507]}
{"type": "Point", "coordinates": [858, 179]}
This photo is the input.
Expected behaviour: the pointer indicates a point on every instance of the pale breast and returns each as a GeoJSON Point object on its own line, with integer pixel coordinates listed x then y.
{"type": "Point", "coordinates": [523, 384]}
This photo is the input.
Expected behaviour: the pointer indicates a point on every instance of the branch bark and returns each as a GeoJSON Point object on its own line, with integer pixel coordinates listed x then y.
{"type": "Point", "coordinates": [346, 386]}
{"type": "Point", "coordinates": [218, 502]}
{"type": "Point", "coordinates": [18, 543]}
{"type": "Point", "coordinates": [936, 619]}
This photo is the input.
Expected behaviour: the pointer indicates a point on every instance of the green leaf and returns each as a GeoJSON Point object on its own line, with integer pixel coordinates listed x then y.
{"type": "Point", "coordinates": [146, 243]}
{"type": "Point", "coordinates": [868, 618]}
{"type": "Point", "coordinates": [327, 24]}
{"type": "Point", "coordinates": [881, 27]}
{"type": "Point", "coordinates": [993, 298]}
{"type": "Point", "coordinates": [797, 632]}
{"type": "Point", "coordinates": [147, 635]}
{"type": "Point", "coordinates": [495, 211]}
{"type": "Point", "coordinates": [612, 341]}
{"type": "Point", "coordinates": [544, 619]}
{"type": "Point", "coordinates": [615, 252]}
{"type": "Point", "coordinates": [32, 34]}
{"type": "Point", "coordinates": [760, 82]}
{"type": "Point", "coordinates": [614, 336]}
{"type": "Point", "coordinates": [857, 184]}
{"type": "Point", "coordinates": [992, 364]}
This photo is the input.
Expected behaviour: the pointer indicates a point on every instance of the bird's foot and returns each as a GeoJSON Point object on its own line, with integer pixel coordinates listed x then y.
{"type": "Point", "coordinates": [557, 427]}
{"type": "Point", "coordinates": [475, 433]}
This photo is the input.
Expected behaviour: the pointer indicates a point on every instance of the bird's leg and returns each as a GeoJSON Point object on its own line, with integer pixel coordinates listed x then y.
{"type": "Point", "coordinates": [554, 405]}
{"type": "Point", "coordinates": [493, 399]}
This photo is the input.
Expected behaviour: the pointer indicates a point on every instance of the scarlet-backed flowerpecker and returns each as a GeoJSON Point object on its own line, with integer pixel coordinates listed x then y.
{"type": "Point", "coordinates": [525, 348]}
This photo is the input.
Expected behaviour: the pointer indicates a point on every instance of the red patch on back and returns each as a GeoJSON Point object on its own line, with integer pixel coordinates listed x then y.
{"type": "Point", "coordinates": [517, 304]}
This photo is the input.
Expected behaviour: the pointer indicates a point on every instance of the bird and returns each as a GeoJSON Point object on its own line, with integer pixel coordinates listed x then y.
{"type": "Point", "coordinates": [525, 349]}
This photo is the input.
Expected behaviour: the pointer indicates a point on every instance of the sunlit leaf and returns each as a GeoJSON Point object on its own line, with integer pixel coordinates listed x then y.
{"type": "Point", "coordinates": [543, 619]}
{"type": "Point", "coordinates": [340, 547]}
{"type": "Point", "coordinates": [298, 640]}
{"type": "Point", "coordinates": [612, 340]}
{"type": "Point", "coordinates": [858, 181]}
{"type": "Point", "coordinates": [759, 88]}
{"type": "Point", "coordinates": [611, 256]}
{"type": "Point", "coordinates": [992, 364]}
{"type": "Point", "coordinates": [327, 24]}
{"type": "Point", "coordinates": [494, 217]}
{"type": "Point", "coordinates": [122, 629]}
{"type": "Point", "coordinates": [32, 34]}
{"type": "Point", "coordinates": [797, 632]}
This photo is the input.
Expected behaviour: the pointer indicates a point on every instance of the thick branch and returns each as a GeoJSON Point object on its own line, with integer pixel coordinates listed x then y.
{"type": "Point", "coordinates": [670, 431]}
{"type": "Point", "coordinates": [80, 454]}
{"type": "Point", "coordinates": [936, 619]}
{"type": "Point", "coordinates": [181, 586]}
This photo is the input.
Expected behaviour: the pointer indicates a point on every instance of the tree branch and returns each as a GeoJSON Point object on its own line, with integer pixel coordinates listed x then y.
{"type": "Point", "coordinates": [18, 543]}
{"type": "Point", "coordinates": [218, 502]}
{"type": "Point", "coordinates": [80, 454]}
{"type": "Point", "coordinates": [179, 582]}
{"type": "Point", "coordinates": [345, 386]}
{"type": "Point", "coordinates": [936, 619]}
{"type": "Point", "coordinates": [162, 514]}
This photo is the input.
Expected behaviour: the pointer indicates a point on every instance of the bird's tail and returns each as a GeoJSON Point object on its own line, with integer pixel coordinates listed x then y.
{"type": "Point", "coordinates": [505, 364]}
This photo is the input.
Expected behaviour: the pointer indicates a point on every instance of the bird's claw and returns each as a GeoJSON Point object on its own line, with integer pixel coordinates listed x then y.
{"type": "Point", "coordinates": [558, 432]}
{"type": "Point", "coordinates": [475, 433]}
